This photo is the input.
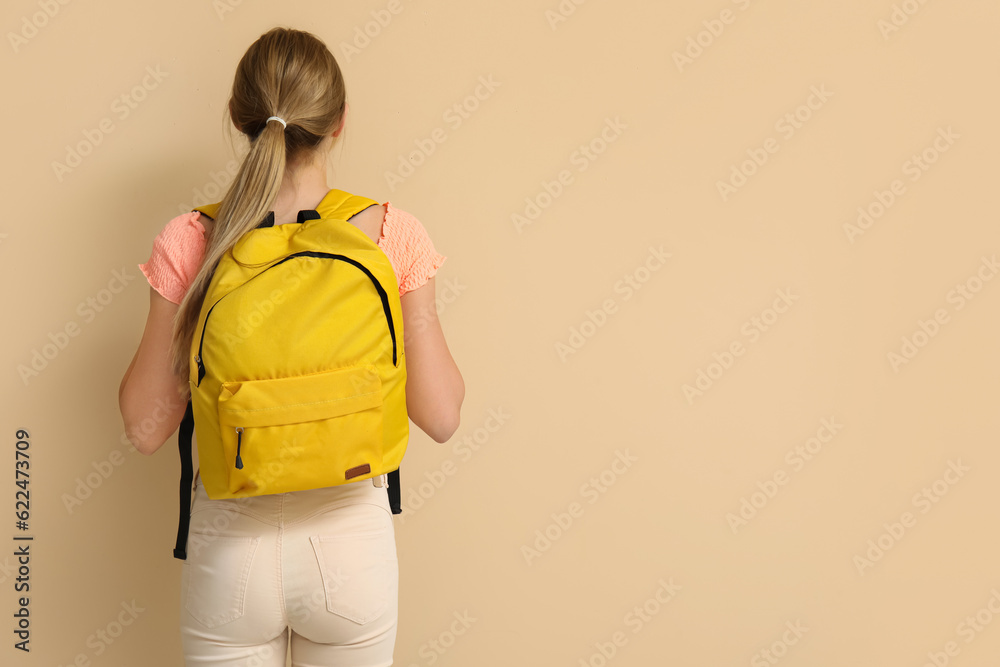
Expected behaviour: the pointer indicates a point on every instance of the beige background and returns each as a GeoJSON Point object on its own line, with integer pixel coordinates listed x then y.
{"type": "Point", "coordinates": [515, 294]}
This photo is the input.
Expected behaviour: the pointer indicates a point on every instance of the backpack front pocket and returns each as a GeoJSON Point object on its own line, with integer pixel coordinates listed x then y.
{"type": "Point", "coordinates": [301, 432]}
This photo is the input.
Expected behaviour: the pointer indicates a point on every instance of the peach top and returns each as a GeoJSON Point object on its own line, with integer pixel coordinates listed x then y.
{"type": "Point", "coordinates": [180, 247]}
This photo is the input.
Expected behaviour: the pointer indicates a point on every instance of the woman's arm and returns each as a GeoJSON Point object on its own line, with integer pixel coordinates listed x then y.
{"type": "Point", "coordinates": [434, 386]}
{"type": "Point", "coordinates": [150, 394]}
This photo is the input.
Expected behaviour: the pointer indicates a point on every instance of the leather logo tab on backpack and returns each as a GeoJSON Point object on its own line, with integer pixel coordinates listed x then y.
{"type": "Point", "coordinates": [358, 470]}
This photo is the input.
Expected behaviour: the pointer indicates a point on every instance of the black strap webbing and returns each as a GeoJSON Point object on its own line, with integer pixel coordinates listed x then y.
{"type": "Point", "coordinates": [187, 478]}
{"type": "Point", "coordinates": [393, 492]}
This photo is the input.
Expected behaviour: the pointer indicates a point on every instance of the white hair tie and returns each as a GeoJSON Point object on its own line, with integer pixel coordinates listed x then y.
{"type": "Point", "coordinates": [283, 123]}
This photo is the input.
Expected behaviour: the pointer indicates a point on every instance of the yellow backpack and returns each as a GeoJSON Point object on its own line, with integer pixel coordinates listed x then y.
{"type": "Point", "coordinates": [298, 376]}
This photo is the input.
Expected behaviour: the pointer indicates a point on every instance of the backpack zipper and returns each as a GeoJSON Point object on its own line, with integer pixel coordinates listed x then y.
{"type": "Point", "coordinates": [239, 440]}
{"type": "Point", "coordinates": [305, 253]}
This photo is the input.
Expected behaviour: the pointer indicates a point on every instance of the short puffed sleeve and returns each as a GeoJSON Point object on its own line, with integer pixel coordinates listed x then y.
{"type": "Point", "coordinates": [176, 257]}
{"type": "Point", "coordinates": [406, 243]}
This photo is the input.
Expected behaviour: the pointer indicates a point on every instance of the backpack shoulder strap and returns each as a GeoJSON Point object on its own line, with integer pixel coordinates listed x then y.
{"type": "Point", "coordinates": [209, 209]}
{"type": "Point", "coordinates": [340, 205]}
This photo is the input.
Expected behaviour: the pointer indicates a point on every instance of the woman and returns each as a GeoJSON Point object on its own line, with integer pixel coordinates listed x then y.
{"type": "Point", "coordinates": [316, 568]}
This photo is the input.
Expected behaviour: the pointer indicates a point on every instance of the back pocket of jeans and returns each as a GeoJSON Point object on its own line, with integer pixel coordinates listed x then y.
{"type": "Point", "coordinates": [358, 573]}
{"type": "Point", "coordinates": [218, 576]}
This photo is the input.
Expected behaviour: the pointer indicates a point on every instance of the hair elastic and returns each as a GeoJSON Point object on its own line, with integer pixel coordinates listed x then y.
{"type": "Point", "coordinates": [283, 123]}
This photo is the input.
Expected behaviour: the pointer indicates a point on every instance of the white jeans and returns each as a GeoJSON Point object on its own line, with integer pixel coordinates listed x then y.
{"type": "Point", "coordinates": [315, 568]}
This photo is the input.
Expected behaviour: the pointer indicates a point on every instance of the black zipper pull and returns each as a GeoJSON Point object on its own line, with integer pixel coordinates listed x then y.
{"type": "Point", "coordinates": [201, 368]}
{"type": "Point", "coordinates": [239, 439]}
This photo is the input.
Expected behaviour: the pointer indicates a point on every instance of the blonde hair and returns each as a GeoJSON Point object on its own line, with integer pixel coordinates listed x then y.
{"type": "Point", "coordinates": [287, 73]}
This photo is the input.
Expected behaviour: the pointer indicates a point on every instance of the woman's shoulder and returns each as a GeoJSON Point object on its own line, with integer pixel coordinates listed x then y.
{"type": "Point", "coordinates": [409, 248]}
{"type": "Point", "coordinates": [370, 221]}
{"type": "Point", "coordinates": [182, 232]}
{"type": "Point", "coordinates": [403, 227]}
{"type": "Point", "coordinates": [176, 255]}
{"type": "Point", "coordinates": [384, 223]}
